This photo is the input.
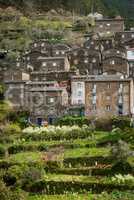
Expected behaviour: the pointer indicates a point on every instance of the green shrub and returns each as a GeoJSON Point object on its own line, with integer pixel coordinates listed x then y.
{"type": "Point", "coordinates": [24, 174]}
{"type": "Point", "coordinates": [2, 151]}
{"type": "Point", "coordinates": [120, 151]}
{"type": "Point", "coordinates": [123, 179]}
{"type": "Point", "coordinates": [70, 121]}
{"type": "Point", "coordinates": [12, 129]}
{"type": "Point", "coordinates": [121, 122]}
{"type": "Point", "coordinates": [11, 194]}
{"type": "Point", "coordinates": [15, 149]}
{"type": "Point", "coordinates": [122, 167]}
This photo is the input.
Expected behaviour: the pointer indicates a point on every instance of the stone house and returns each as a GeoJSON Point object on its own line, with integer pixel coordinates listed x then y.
{"type": "Point", "coordinates": [100, 43]}
{"type": "Point", "coordinates": [86, 61]}
{"type": "Point", "coordinates": [36, 61]}
{"type": "Point", "coordinates": [114, 64]}
{"type": "Point", "coordinates": [124, 36]}
{"type": "Point", "coordinates": [107, 96]}
{"type": "Point", "coordinates": [45, 100]}
{"type": "Point", "coordinates": [60, 50]}
{"type": "Point", "coordinates": [42, 46]}
{"type": "Point", "coordinates": [108, 26]}
{"type": "Point", "coordinates": [101, 96]}
{"type": "Point", "coordinates": [53, 64]}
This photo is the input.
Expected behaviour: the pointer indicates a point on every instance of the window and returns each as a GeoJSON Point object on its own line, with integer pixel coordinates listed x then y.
{"type": "Point", "coordinates": [79, 101]}
{"type": "Point", "coordinates": [57, 52]}
{"type": "Point", "coordinates": [86, 53]}
{"type": "Point", "coordinates": [132, 35]}
{"type": "Point", "coordinates": [108, 98]}
{"type": "Point", "coordinates": [108, 32]}
{"type": "Point", "coordinates": [50, 100]}
{"type": "Point", "coordinates": [79, 93]}
{"type": "Point", "coordinates": [86, 61]}
{"type": "Point", "coordinates": [79, 85]}
{"type": "Point", "coordinates": [108, 107]}
{"type": "Point", "coordinates": [112, 62]}
{"type": "Point", "coordinates": [118, 52]}
{"type": "Point", "coordinates": [109, 86]}
{"type": "Point", "coordinates": [43, 44]}
{"type": "Point", "coordinates": [94, 60]}
{"type": "Point", "coordinates": [54, 64]}
{"type": "Point", "coordinates": [120, 109]}
{"type": "Point", "coordinates": [44, 64]}
{"type": "Point", "coordinates": [18, 64]}
{"type": "Point", "coordinates": [96, 48]}
{"type": "Point", "coordinates": [92, 42]}
{"type": "Point", "coordinates": [94, 86]}
{"type": "Point", "coordinates": [123, 36]}
{"type": "Point", "coordinates": [75, 53]}
{"type": "Point", "coordinates": [35, 44]}
{"type": "Point", "coordinates": [101, 26]}
{"type": "Point", "coordinates": [76, 62]}
{"type": "Point", "coordinates": [131, 64]}
{"type": "Point", "coordinates": [94, 98]}
{"type": "Point", "coordinates": [94, 108]}
{"type": "Point", "coordinates": [108, 24]}
{"type": "Point", "coordinates": [120, 99]}
{"type": "Point", "coordinates": [107, 42]}
{"type": "Point", "coordinates": [63, 52]}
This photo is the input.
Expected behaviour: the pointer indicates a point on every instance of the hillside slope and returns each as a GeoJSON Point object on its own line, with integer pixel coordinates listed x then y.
{"type": "Point", "coordinates": [108, 7]}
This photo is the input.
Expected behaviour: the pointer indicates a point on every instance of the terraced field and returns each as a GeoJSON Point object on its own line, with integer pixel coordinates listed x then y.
{"type": "Point", "coordinates": [74, 164]}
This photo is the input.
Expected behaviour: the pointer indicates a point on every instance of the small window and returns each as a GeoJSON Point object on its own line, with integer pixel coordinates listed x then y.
{"type": "Point", "coordinates": [63, 52]}
{"type": "Point", "coordinates": [50, 100]}
{"type": "Point", "coordinates": [94, 86]}
{"type": "Point", "coordinates": [76, 62]}
{"type": "Point", "coordinates": [94, 98]}
{"type": "Point", "coordinates": [109, 86]}
{"type": "Point", "coordinates": [75, 53]}
{"type": "Point", "coordinates": [54, 64]}
{"type": "Point", "coordinates": [35, 44]}
{"type": "Point", "coordinates": [108, 24]}
{"type": "Point", "coordinates": [107, 42]}
{"type": "Point", "coordinates": [123, 36]}
{"type": "Point", "coordinates": [94, 60]}
{"type": "Point", "coordinates": [86, 61]}
{"type": "Point", "coordinates": [79, 93]}
{"type": "Point", "coordinates": [79, 101]}
{"type": "Point", "coordinates": [118, 52]}
{"type": "Point", "coordinates": [94, 108]}
{"type": "Point", "coordinates": [44, 64]}
{"type": "Point", "coordinates": [92, 42]}
{"type": "Point", "coordinates": [43, 44]}
{"type": "Point", "coordinates": [108, 98]}
{"type": "Point", "coordinates": [108, 107]}
{"type": "Point", "coordinates": [86, 53]}
{"type": "Point", "coordinates": [79, 85]}
{"type": "Point", "coordinates": [112, 62]}
{"type": "Point", "coordinates": [57, 52]}
{"type": "Point", "coordinates": [108, 32]}
{"type": "Point", "coordinates": [18, 64]}
{"type": "Point", "coordinates": [132, 35]}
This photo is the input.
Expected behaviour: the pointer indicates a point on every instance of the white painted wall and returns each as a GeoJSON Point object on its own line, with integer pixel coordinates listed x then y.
{"type": "Point", "coordinates": [78, 92]}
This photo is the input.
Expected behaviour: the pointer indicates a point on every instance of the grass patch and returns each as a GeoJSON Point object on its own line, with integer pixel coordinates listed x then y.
{"type": "Point", "coordinates": [80, 152]}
